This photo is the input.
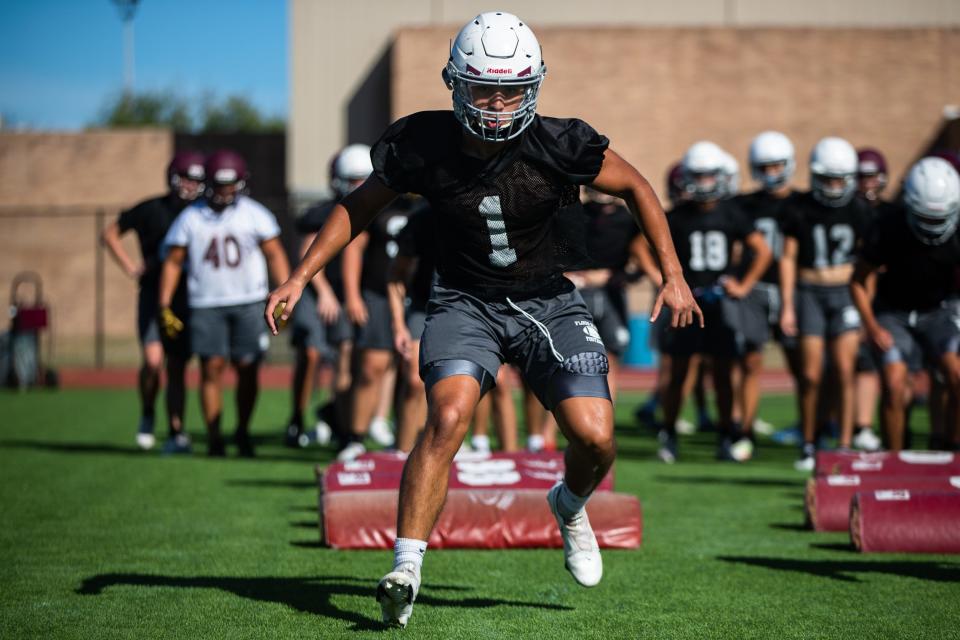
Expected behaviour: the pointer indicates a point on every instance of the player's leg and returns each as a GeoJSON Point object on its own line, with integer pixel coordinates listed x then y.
{"type": "Point", "coordinates": [413, 412]}
{"type": "Point", "coordinates": [176, 392]}
{"type": "Point", "coordinates": [894, 377]}
{"type": "Point", "coordinates": [504, 411]}
{"type": "Point", "coordinates": [380, 427]}
{"type": "Point", "coordinates": [308, 337]}
{"type": "Point", "coordinates": [811, 349]}
{"type": "Point", "coordinates": [950, 369]}
{"type": "Point", "coordinates": [371, 367]}
{"type": "Point", "coordinates": [722, 369]}
{"type": "Point", "coordinates": [211, 401]}
{"type": "Point", "coordinates": [480, 433]}
{"type": "Point", "coordinates": [866, 396]}
{"type": "Point", "coordinates": [248, 387]}
{"type": "Point", "coordinates": [843, 351]}
{"type": "Point", "coordinates": [534, 414]}
{"type": "Point", "coordinates": [248, 343]}
{"type": "Point", "coordinates": [151, 354]}
{"type": "Point", "coordinates": [672, 402]}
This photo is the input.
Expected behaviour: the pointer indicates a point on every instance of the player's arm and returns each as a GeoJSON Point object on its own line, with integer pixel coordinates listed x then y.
{"type": "Point", "coordinates": [861, 290]}
{"type": "Point", "coordinates": [641, 255]}
{"type": "Point", "coordinates": [619, 178]}
{"type": "Point", "coordinates": [352, 267]}
{"type": "Point", "coordinates": [762, 257]}
{"type": "Point", "coordinates": [170, 274]}
{"type": "Point", "coordinates": [277, 263]}
{"type": "Point", "coordinates": [788, 281]}
{"type": "Point", "coordinates": [111, 240]}
{"type": "Point", "coordinates": [401, 269]}
{"type": "Point", "coordinates": [327, 304]}
{"type": "Point", "coordinates": [349, 217]}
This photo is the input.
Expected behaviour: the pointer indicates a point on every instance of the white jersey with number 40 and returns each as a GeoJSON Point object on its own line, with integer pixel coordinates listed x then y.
{"type": "Point", "coordinates": [225, 264]}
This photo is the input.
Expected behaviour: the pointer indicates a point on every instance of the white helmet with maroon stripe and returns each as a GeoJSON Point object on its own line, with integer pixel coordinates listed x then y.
{"type": "Point", "coordinates": [931, 194]}
{"type": "Point", "coordinates": [495, 71]}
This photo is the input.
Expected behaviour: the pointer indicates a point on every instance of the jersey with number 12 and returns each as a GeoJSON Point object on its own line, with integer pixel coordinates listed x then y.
{"type": "Point", "coordinates": [225, 265]}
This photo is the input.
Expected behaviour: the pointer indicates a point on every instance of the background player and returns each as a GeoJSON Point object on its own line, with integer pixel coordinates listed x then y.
{"type": "Point", "coordinates": [918, 248]}
{"type": "Point", "coordinates": [230, 241]}
{"type": "Point", "coordinates": [501, 294]}
{"type": "Point", "coordinates": [151, 219]}
{"type": "Point", "coordinates": [822, 229]}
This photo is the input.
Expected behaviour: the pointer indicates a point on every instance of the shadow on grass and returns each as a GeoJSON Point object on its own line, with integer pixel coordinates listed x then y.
{"type": "Point", "coordinates": [790, 526]}
{"type": "Point", "coordinates": [272, 484]}
{"type": "Point", "coordinates": [305, 524]}
{"type": "Point", "coordinates": [739, 482]}
{"type": "Point", "coordinates": [835, 546]}
{"type": "Point", "coordinates": [199, 450]}
{"type": "Point", "coordinates": [309, 595]}
{"type": "Point", "coordinates": [844, 570]}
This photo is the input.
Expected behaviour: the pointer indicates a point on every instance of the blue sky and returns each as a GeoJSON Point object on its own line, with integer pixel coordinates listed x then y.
{"type": "Point", "coordinates": [61, 59]}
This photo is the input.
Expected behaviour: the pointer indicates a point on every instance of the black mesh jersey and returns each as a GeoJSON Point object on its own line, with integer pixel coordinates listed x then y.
{"type": "Point", "coordinates": [310, 222]}
{"type": "Point", "coordinates": [151, 219]}
{"type": "Point", "coordinates": [766, 212]}
{"type": "Point", "coordinates": [382, 243]}
{"type": "Point", "coordinates": [611, 228]}
{"type": "Point", "coordinates": [826, 236]}
{"type": "Point", "coordinates": [417, 240]}
{"type": "Point", "coordinates": [503, 225]}
{"type": "Point", "coordinates": [917, 276]}
{"type": "Point", "coordinates": [704, 239]}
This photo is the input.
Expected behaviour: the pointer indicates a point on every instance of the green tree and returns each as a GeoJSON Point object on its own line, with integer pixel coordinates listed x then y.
{"type": "Point", "coordinates": [150, 108]}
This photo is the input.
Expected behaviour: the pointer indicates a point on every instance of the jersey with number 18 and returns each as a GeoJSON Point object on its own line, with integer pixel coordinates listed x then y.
{"type": "Point", "coordinates": [225, 264]}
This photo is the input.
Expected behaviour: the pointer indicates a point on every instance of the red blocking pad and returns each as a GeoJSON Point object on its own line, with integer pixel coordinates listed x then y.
{"type": "Point", "coordinates": [828, 497]}
{"type": "Point", "coordinates": [518, 470]}
{"type": "Point", "coordinates": [906, 522]}
{"type": "Point", "coordinates": [904, 463]}
{"type": "Point", "coordinates": [476, 519]}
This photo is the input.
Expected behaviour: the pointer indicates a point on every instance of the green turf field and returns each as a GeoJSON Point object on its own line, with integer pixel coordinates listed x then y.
{"type": "Point", "coordinates": [102, 541]}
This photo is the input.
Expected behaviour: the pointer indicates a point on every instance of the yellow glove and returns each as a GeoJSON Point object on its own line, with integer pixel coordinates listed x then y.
{"type": "Point", "coordinates": [172, 325]}
{"type": "Point", "coordinates": [277, 312]}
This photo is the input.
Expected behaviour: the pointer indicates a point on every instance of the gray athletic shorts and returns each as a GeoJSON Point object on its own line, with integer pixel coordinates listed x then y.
{"type": "Point", "coordinates": [920, 337]}
{"type": "Point", "coordinates": [763, 305]}
{"type": "Point", "coordinates": [720, 336]}
{"type": "Point", "coordinates": [307, 330]}
{"type": "Point", "coordinates": [148, 323]}
{"type": "Point", "coordinates": [236, 331]}
{"type": "Point", "coordinates": [378, 332]}
{"type": "Point", "coordinates": [541, 336]}
{"type": "Point", "coordinates": [609, 318]}
{"type": "Point", "coordinates": [416, 321]}
{"type": "Point", "coordinates": [824, 311]}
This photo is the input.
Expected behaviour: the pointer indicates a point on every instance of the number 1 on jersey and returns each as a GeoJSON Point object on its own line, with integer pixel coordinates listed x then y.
{"type": "Point", "coordinates": [502, 255]}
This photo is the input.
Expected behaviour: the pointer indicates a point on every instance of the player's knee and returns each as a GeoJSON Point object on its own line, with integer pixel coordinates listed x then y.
{"type": "Point", "coordinates": [598, 441]}
{"type": "Point", "coordinates": [810, 378]}
{"type": "Point", "coordinates": [447, 424]}
{"type": "Point", "coordinates": [213, 367]}
{"type": "Point", "coordinates": [312, 356]}
{"type": "Point", "coordinates": [372, 369]}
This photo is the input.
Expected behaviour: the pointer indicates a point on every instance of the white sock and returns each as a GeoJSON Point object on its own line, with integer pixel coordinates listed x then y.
{"type": "Point", "coordinates": [409, 550]}
{"type": "Point", "coordinates": [569, 504]}
{"type": "Point", "coordinates": [535, 443]}
{"type": "Point", "coordinates": [480, 443]}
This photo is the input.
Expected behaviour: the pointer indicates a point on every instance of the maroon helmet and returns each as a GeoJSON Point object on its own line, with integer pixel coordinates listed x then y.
{"type": "Point", "coordinates": [186, 165]}
{"type": "Point", "coordinates": [949, 156]}
{"type": "Point", "coordinates": [675, 186]}
{"type": "Point", "coordinates": [223, 168]}
{"type": "Point", "coordinates": [871, 173]}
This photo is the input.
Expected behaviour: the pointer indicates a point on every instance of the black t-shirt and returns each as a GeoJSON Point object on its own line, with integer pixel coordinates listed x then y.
{"type": "Point", "coordinates": [766, 212]}
{"type": "Point", "coordinates": [611, 228]}
{"type": "Point", "coordinates": [501, 226]}
{"type": "Point", "coordinates": [826, 236]}
{"type": "Point", "coordinates": [382, 243]}
{"type": "Point", "coordinates": [417, 240]}
{"type": "Point", "coordinates": [704, 239]}
{"type": "Point", "coordinates": [151, 219]}
{"type": "Point", "coordinates": [918, 276]}
{"type": "Point", "coordinates": [310, 222]}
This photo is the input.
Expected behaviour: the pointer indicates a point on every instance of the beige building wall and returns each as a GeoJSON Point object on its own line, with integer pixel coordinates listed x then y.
{"type": "Point", "coordinates": [340, 56]}
{"type": "Point", "coordinates": [53, 187]}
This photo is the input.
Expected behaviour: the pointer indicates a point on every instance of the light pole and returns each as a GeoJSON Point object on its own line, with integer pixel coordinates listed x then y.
{"type": "Point", "coordinates": [127, 9]}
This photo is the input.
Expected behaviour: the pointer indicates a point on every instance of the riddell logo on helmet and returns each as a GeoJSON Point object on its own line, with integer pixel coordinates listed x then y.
{"type": "Point", "coordinates": [499, 70]}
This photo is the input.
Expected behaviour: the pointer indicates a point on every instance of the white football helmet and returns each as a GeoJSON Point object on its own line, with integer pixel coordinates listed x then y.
{"type": "Point", "coordinates": [931, 194]}
{"type": "Point", "coordinates": [703, 177]}
{"type": "Point", "coordinates": [495, 54]}
{"type": "Point", "coordinates": [731, 175]}
{"type": "Point", "coordinates": [833, 158]}
{"type": "Point", "coordinates": [351, 164]}
{"type": "Point", "coordinates": [772, 147]}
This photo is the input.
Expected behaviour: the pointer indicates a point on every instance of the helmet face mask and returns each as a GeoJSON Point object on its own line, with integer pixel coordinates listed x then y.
{"type": "Point", "coordinates": [704, 177]}
{"type": "Point", "coordinates": [226, 173]}
{"type": "Point", "coordinates": [833, 169]}
{"type": "Point", "coordinates": [871, 173]}
{"type": "Point", "coordinates": [931, 195]}
{"type": "Point", "coordinates": [185, 175]}
{"type": "Point", "coordinates": [768, 151]}
{"type": "Point", "coordinates": [495, 71]}
{"type": "Point", "coordinates": [350, 168]}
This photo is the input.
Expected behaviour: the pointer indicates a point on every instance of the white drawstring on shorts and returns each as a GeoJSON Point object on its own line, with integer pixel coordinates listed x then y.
{"type": "Point", "coordinates": [543, 329]}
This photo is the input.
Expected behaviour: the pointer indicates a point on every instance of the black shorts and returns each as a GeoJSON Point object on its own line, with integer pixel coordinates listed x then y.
{"type": "Point", "coordinates": [825, 311]}
{"type": "Point", "coordinates": [148, 322]}
{"type": "Point", "coordinates": [920, 338]}
{"type": "Point", "coordinates": [608, 309]}
{"type": "Point", "coordinates": [721, 335]}
{"type": "Point", "coordinates": [539, 335]}
{"type": "Point", "coordinates": [378, 332]}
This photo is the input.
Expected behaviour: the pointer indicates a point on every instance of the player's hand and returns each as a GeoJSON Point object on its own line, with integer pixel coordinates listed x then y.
{"type": "Point", "coordinates": [788, 322]}
{"type": "Point", "coordinates": [328, 307]}
{"type": "Point", "coordinates": [880, 338]}
{"type": "Point", "coordinates": [289, 294]}
{"type": "Point", "coordinates": [403, 343]}
{"type": "Point", "coordinates": [676, 295]}
{"type": "Point", "coordinates": [171, 324]}
{"type": "Point", "coordinates": [135, 272]}
{"type": "Point", "coordinates": [357, 311]}
{"type": "Point", "coordinates": [734, 288]}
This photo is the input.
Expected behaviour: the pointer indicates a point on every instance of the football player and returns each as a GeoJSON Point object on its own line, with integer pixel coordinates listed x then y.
{"type": "Point", "coordinates": [230, 241]}
{"type": "Point", "coordinates": [772, 165]}
{"type": "Point", "coordinates": [911, 314]}
{"type": "Point", "coordinates": [496, 175]}
{"type": "Point", "coordinates": [822, 230]}
{"type": "Point", "coordinates": [319, 325]}
{"type": "Point", "coordinates": [705, 231]}
{"type": "Point", "coordinates": [151, 219]}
